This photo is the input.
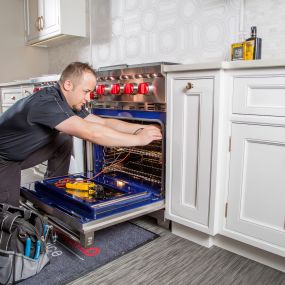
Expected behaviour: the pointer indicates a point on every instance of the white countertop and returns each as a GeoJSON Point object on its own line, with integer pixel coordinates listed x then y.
{"type": "Point", "coordinates": [247, 64]}
{"type": "Point", "coordinates": [226, 65]}
{"type": "Point", "coordinates": [34, 80]}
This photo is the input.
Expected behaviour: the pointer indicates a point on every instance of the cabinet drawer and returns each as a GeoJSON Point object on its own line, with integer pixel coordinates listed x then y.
{"type": "Point", "coordinates": [10, 95]}
{"type": "Point", "coordinates": [263, 95]}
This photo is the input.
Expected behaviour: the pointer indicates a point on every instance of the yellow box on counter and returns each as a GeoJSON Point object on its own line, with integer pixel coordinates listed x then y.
{"type": "Point", "coordinates": [238, 51]}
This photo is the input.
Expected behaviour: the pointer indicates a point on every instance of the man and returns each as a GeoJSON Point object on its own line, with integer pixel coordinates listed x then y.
{"type": "Point", "coordinates": [39, 128]}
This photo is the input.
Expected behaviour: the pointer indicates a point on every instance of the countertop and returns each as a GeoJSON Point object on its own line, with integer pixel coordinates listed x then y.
{"type": "Point", "coordinates": [33, 80]}
{"type": "Point", "coordinates": [247, 64]}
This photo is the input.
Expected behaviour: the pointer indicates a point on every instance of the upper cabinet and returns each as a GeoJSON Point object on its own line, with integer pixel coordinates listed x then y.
{"type": "Point", "coordinates": [48, 21]}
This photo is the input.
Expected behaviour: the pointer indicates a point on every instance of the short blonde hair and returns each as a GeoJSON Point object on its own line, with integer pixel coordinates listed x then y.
{"type": "Point", "coordinates": [74, 72]}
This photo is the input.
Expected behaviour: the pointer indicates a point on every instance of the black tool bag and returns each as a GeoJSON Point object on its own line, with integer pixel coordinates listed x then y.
{"type": "Point", "coordinates": [17, 226]}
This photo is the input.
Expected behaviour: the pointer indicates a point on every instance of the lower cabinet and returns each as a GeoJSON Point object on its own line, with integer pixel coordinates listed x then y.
{"type": "Point", "coordinates": [9, 96]}
{"type": "Point", "coordinates": [189, 147]}
{"type": "Point", "coordinates": [256, 197]}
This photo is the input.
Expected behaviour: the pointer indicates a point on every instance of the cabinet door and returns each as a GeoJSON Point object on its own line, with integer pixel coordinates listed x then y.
{"type": "Point", "coordinates": [50, 16]}
{"type": "Point", "coordinates": [32, 11]}
{"type": "Point", "coordinates": [189, 138]}
{"type": "Point", "coordinates": [256, 200]}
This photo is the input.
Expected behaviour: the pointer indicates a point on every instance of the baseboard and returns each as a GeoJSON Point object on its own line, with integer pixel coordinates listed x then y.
{"type": "Point", "coordinates": [251, 252]}
{"type": "Point", "coordinates": [192, 235]}
{"type": "Point", "coordinates": [240, 248]}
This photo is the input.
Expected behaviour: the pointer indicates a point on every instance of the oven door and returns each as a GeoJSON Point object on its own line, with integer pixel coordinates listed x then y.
{"type": "Point", "coordinates": [132, 180]}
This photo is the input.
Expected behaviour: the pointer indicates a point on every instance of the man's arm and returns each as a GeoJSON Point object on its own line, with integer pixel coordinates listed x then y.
{"type": "Point", "coordinates": [99, 133]}
{"type": "Point", "coordinates": [115, 124]}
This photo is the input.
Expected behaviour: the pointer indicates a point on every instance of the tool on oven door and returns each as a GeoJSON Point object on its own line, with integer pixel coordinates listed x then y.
{"type": "Point", "coordinates": [80, 185]}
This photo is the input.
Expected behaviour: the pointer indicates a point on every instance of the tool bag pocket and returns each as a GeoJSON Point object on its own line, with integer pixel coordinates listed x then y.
{"type": "Point", "coordinates": [22, 244]}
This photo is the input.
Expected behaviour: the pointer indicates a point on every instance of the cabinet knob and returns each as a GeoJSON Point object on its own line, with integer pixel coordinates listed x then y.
{"type": "Point", "coordinates": [41, 22]}
{"type": "Point", "coordinates": [13, 97]}
{"type": "Point", "coordinates": [38, 23]}
{"type": "Point", "coordinates": [189, 86]}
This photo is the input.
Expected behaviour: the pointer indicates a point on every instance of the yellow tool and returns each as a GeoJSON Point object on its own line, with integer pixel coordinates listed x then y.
{"type": "Point", "coordinates": [80, 185]}
{"type": "Point", "coordinates": [81, 193]}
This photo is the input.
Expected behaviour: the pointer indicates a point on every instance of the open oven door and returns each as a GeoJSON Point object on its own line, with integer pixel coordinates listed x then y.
{"type": "Point", "coordinates": [123, 183]}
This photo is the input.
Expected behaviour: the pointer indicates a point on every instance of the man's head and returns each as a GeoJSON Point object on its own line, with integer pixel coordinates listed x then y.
{"type": "Point", "coordinates": [76, 82]}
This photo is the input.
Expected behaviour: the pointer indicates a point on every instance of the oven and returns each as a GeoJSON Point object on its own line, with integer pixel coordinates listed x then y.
{"type": "Point", "coordinates": [119, 183]}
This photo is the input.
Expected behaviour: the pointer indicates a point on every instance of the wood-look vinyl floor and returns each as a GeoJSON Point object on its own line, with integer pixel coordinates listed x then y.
{"type": "Point", "coordinates": [170, 259]}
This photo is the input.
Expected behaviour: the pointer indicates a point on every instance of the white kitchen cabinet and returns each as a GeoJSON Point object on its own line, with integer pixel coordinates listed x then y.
{"type": "Point", "coordinates": [9, 96]}
{"type": "Point", "coordinates": [48, 21]}
{"type": "Point", "coordinates": [256, 198]}
{"type": "Point", "coordinates": [190, 103]}
{"type": "Point", "coordinates": [255, 194]}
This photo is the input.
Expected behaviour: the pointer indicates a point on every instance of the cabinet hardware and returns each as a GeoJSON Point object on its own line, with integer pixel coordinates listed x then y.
{"type": "Point", "coordinates": [189, 86]}
{"type": "Point", "coordinates": [37, 23]}
{"type": "Point", "coordinates": [230, 144]}
{"type": "Point", "coordinates": [13, 98]}
{"type": "Point", "coordinates": [42, 22]}
{"type": "Point", "coordinates": [226, 210]}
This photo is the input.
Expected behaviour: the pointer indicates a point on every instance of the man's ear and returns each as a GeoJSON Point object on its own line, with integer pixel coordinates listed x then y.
{"type": "Point", "coordinates": [67, 85]}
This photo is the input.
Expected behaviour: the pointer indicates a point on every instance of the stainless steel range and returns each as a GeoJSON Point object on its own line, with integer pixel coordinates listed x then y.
{"type": "Point", "coordinates": [119, 183]}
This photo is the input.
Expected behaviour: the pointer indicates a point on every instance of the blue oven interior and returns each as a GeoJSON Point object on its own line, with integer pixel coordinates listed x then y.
{"type": "Point", "coordinates": [121, 179]}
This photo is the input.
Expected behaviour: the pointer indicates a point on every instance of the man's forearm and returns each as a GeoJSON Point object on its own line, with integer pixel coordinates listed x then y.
{"type": "Point", "coordinates": [122, 126]}
{"type": "Point", "coordinates": [115, 124]}
{"type": "Point", "coordinates": [107, 136]}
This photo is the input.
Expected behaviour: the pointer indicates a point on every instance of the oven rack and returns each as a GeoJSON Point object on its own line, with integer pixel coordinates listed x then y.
{"type": "Point", "coordinates": [142, 152]}
{"type": "Point", "coordinates": [135, 173]}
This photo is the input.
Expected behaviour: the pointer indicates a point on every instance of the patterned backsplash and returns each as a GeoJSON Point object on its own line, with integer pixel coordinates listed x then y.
{"type": "Point", "coordinates": [183, 31]}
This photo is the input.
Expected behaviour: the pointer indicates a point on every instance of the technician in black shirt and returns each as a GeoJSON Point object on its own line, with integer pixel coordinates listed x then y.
{"type": "Point", "coordinates": [40, 127]}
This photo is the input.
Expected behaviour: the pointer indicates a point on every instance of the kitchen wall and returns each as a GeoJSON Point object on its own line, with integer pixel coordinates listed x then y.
{"type": "Point", "coordinates": [17, 60]}
{"type": "Point", "coordinates": [136, 31]}
{"type": "Point", "coordinates": [269, 17]}
{"type": "Point", "coordinates": [132, 31]}
{"type": "Point", "coordinates": [185, 31]}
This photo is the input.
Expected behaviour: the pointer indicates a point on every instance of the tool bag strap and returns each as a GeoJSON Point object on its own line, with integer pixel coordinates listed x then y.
{"type": "Point", "coordinates": [27, 214]}
{"type": "Point", "coordinates": [9, 220]}
{"type": "Point", "coordinates": [6, 228]}
{"type": "Point", "coordinates": [5, 207]}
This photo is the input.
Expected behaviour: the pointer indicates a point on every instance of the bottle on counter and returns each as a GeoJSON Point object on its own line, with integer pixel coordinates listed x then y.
{"type": "Point", "coordinates": [253, 46]}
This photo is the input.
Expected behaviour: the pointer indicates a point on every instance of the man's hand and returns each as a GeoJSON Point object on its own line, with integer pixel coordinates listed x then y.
{"type": "Point", "coordinates": [149, 134]}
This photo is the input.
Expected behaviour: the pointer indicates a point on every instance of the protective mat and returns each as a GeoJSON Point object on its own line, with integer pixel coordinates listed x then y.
{"type": "Point", "coordinates": [69, 260]}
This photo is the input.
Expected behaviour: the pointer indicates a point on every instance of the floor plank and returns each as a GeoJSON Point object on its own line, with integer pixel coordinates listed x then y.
{"type": "Point", "coordinates": [172, 260]}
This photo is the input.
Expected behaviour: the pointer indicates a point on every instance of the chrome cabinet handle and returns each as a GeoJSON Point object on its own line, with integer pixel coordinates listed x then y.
{"type": "Point", "coordinates": [189, 86]}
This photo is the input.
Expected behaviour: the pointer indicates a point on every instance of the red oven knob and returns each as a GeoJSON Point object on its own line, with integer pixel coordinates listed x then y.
{"type": "Point", "coordinates": [36, 89]}
{"type": "Point", "coordinates": [143, 88]}
{"type": "Point", "coordinates": [100, 89]}
{"type": "Point", "coordinates": [92, 95]}
{"type": "Point", "coordinates": [115, 89]}
{"type": "Point", "coordinates": [129, 88]}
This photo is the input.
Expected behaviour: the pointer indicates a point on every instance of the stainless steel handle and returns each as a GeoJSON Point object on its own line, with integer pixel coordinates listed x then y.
{"type": "Point", "coordinates": [189, 86]}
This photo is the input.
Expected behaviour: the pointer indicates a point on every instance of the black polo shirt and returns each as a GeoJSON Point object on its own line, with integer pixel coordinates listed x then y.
{"type": "Point", "coordinates": [29, 124]}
